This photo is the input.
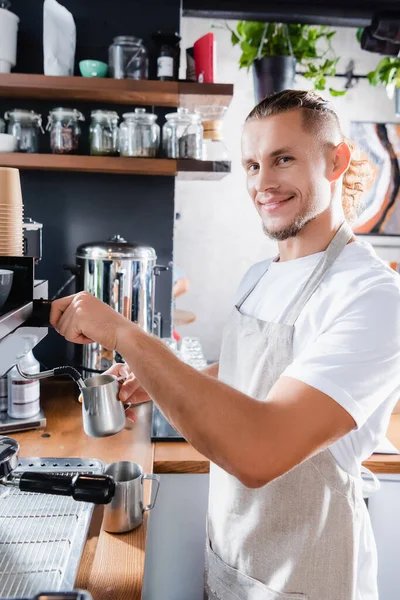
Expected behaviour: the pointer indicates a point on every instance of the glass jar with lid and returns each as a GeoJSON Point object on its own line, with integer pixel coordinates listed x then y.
{"type": "Point", "coordinates": [65, 131]}
{"type": "Point", "coordinates": [183, 135]}
{"type": "Point", "coordinates": [104, 133]}
{"type": "Point", "coordinates": [213, 140]}
{"type": "Point", "coordinates": [128, 58]}
{"type": "Point", "coordinates": [25, 126]}
{"type": "Point", "coordinates": [139, 134]}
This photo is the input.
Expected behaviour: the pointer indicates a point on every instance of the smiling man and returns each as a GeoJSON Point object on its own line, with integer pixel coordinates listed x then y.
{"type": "Point", "coordinates": [308, 374]}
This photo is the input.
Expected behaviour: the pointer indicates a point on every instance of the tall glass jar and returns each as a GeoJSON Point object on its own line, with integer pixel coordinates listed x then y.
{"type": "Point", "coordinates": [65, 131]}
{"type": "Point", "coordinates": [104, 133]}
{"type": "Point", "coordinates": [128, 58]}
{"type": "Point", "coordinates": [25, 126]}
{"type": "Point", "coordinates": [183, 135]}
{"type": "Point", "coordinates": [139, 134]}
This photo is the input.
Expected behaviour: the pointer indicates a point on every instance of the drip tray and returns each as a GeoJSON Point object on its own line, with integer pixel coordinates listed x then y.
{"type": "Point", "coordinates": [42, 537]}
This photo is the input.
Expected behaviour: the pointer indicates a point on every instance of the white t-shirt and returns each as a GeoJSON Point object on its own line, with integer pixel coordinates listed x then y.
{"type": "Point", "coordinates": [346, 340]}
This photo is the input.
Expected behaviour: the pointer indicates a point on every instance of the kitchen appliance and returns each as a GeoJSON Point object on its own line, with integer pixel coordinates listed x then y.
{"type": "Point", "coordinates": [23, 324]}
{"type": "Point", "coordinates": [42, 537]}
{"type": "Point", "coordinates": [97, 489]}
{"type": "Point", "coordinates": [121, 274]}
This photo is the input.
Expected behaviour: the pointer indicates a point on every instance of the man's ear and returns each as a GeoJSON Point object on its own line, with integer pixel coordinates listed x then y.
{"type": "Point", "coordinates": [341, 161]}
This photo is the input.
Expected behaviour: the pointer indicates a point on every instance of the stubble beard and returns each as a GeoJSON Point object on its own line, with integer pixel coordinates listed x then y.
{"type": "Point", "coordinates": [295, 227]}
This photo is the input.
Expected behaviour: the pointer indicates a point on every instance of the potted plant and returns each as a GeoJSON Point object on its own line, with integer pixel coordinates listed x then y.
{"type": "Point", "coordinates": [387, 73]}
{"type": "Point", "coordinates": [273, 50]}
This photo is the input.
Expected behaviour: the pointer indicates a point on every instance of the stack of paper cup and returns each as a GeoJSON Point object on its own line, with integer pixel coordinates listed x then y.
{"type": "Point", "coordinates": [11, 213]}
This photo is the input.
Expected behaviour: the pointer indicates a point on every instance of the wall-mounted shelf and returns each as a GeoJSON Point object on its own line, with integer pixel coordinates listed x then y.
{"type": "Point", "coordinates": [115, 91]}
{"type": "Point", "coordinates": [118, 165]}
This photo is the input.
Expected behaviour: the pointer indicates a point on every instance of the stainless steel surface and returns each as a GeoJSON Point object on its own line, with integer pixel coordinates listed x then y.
{"type": "Point", "coordinates": [15, 340]}
{"type": "Point", "coordinates": [52, 373]}
{"type": "Point", "coordinates": [162, 430]}
{"type": "Point", "coordinates": [102, 413]}
{"type": "Point", "coordinates": [125, 511]}
{"type": "Point", "coordinates": [10, 425]}
{"type": "Point", "coordinates": [13, 319]}
{"type": "Point", "coordinates": [122, 275]}
{"type": "Point", "coordinates": [9, 449]}
{"type": "Point", "coordinates": [6, 279]}
{"type": "Point", "coordinates": [41, 536]}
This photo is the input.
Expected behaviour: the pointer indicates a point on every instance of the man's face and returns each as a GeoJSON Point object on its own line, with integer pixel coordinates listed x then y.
{"type": "Point", "coordinates": [286, 170]}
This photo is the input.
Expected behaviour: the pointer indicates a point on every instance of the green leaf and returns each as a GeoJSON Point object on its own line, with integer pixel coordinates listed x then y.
{"type": "Point", "coordinates": [320, 83]}
{"type": "Point", "coordinates": [373, 77]}
{"type": "Point", "coordinates": [234, 39]}
{"type": "Point", "coordinates": [337, 92]}
{"type": "Point", "coordinates": [359, 34]}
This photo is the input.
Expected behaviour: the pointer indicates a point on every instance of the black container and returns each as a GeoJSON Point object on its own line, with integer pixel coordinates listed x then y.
{"type": "Point", "coordinates": [273, 74]}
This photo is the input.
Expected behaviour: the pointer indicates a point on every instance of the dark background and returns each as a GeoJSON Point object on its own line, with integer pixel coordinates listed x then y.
{"type": "Point", "coordinates": [76, 208]}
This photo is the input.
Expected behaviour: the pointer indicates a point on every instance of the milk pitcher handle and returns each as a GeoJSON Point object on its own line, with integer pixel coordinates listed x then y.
{"type": "Point", "coordinates": [156, 479]}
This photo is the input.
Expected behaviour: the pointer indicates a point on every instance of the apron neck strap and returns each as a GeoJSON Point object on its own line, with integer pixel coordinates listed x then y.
{"type": "Point", "coordinates": [338, 243]}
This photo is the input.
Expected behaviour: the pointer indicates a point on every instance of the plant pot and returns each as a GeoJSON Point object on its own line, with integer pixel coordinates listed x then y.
{"type": "Point", "coordinates": [273, 74]}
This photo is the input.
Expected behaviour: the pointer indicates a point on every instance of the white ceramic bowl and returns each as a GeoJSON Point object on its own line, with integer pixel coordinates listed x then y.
{"type": "Point", "coordinates": [8, 142]}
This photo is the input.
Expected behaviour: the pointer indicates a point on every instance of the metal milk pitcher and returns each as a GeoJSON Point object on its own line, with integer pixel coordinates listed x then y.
{"type": "Point", "coordinates": [102, 413]}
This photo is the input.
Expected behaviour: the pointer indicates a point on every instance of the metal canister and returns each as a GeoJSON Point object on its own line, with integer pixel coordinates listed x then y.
{"type": "Point", "coordinates": [121, 274]}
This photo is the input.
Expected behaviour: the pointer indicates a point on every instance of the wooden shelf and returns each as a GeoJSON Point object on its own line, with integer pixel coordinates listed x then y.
{"type": "Point", "coordinates": [115, 91]}
{"type": "Point", "coordinates": [118, 165]}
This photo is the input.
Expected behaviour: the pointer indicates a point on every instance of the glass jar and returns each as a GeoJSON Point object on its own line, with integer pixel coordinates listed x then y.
{"type": "Point", "coordinates": [65, 131]}
{"type": "Point", "coordinates": [103, 133]}
{"type": "Point", "coordinates": [183, 135]}
{"type": "Point", "coordinates": [24, 125]}
{"type": "Point", "coordinates": [2, 126]}
{"type": "Point", "coordinates": [213, 143]}
{"type": "Point", "coordinates": [139, 134]}
{"type": "Point", "coordinates": [127, 58]}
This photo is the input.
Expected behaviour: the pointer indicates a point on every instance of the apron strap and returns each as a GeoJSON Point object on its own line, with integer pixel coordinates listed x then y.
{"type": "Point", "coordinates": [247, 294]}
{"type": "Point", "coordinates": [338, 243]}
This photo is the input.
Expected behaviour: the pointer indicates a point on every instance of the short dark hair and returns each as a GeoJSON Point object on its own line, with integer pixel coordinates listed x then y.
{"type": "Point", "coordinates": [318, 114]}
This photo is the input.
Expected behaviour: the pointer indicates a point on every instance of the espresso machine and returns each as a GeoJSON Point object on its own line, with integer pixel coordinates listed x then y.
{"type": "Point", "coordinates": [23, 324]}
{"type": "Point", "coordinates": [122, 274]}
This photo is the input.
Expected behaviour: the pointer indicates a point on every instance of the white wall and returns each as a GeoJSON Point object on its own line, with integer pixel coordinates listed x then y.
{"type": "Point", "coordinates": [218, 236]}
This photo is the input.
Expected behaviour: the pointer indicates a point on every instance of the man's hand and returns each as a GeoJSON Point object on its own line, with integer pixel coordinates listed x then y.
{"type": "Point", "coordinates": [130, 389]}
{"type": "Point", "coordinates": [83, 319]}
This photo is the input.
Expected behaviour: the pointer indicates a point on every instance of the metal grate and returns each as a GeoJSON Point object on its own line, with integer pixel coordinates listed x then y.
{"type": "Point", "coordinates": [42, 536]}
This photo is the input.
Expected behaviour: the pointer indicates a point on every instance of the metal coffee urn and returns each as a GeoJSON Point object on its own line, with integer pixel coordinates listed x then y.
{"type": "Point", "coordinates": [121, 274]}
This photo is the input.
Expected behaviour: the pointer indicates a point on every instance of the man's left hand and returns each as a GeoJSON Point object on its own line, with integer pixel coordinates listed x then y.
{"type": "Point", "coordinates": [83, 319]}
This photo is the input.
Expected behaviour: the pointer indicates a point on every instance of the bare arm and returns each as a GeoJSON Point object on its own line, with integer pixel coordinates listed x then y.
{"type": "Point", "coordinates": [255, 441]}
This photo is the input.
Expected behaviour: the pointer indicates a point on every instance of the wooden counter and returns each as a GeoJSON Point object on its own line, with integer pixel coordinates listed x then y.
{"type": "Point", "coordinates": [112, 566]}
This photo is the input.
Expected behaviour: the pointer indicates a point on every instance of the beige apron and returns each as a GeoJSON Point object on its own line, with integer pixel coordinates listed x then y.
{"type": "Point", "coordinates": [297, 537]}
